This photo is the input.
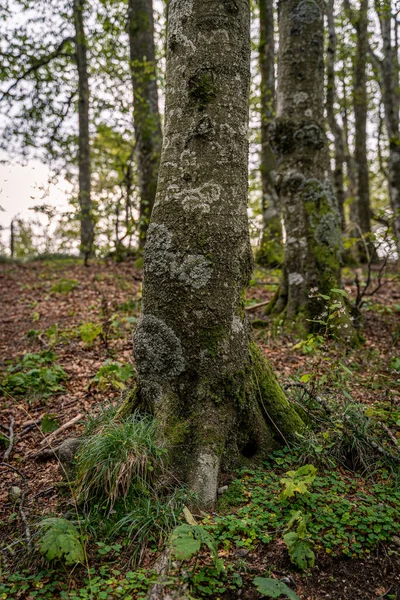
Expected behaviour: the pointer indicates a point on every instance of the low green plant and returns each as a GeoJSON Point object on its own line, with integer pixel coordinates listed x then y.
{"type": "Point", "coordinates": [113, 375]}
{"type": "Point", "coordinates": [34, 375]}
{"type": "Point", "coordinates": [60, 540]}
{"type": "Point", "coordinates": [298, 481]}
{"type": "Point", "coordinates": [273, 588]}
{"type": "Point", "coordinates": [186, 540]}
{"type": "Point", "coordinates": [101, 583]}
{"type": "Point", "coordinates": [148, 520]}
{"type": "Point", "coordinates": [298, 541]}
{"type": "Point", "coordinates": [64, 286]}
{"type": "Point", "coordinates": [89, 332]}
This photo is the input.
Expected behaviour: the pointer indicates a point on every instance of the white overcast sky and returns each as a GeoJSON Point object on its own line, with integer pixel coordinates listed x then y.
{"type": "Point", "coordinates": [22, 187]}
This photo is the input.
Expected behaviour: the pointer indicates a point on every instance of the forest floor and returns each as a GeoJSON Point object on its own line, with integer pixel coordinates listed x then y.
{"type": "Point", "coordinates": [65, 321]}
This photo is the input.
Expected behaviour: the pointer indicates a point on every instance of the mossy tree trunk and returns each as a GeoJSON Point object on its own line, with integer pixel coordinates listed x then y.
{"type": "Point", "coordinates": [145, 101]}
{"type": "Point", "coordinates": [270, 253]}
{"type": "Point", "coordinates": [311, 216]}
{"type": "Point", "coordinates": [216, 400]}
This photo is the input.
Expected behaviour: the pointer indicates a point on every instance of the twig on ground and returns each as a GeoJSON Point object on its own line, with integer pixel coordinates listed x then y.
{"type": "Point", "coordinates": [391, 435]}
{"type": "Point", "coordinates": [29, 426]}
{"type": "Point", "coordinates": [11, 438]}
{"type": "Point", "coordinates": [50, 438]}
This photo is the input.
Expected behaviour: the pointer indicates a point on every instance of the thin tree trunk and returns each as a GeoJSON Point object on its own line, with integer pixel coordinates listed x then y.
{"type": "Point", "coordinates": [351, 192]}
{"type": "Point", "coordinates": [389, 68]}
{"type": "Point", "coordinates": [360, 103]}
{"type": "Point", "coordinates": [12, 238]}
{"type": "Point", "coordinates": [338, 176]}
{"type": "Point", "coordinates": [214, 396]}
{"type": "Point", "coordinates": [85, 204]}
{"type": "Point", "coordinates": [270, 253]}
{"type": "Point", "coordinates": [146, 113]}
{"type": "Point", "coordinates": [312, 220]}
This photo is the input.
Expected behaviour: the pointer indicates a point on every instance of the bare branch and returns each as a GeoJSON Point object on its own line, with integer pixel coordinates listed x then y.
{"type": "Point", "coordinates": [45, 60]}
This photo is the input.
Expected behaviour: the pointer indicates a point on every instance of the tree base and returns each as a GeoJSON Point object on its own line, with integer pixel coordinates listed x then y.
{"type": "Point", "coordinates": [235, 421]}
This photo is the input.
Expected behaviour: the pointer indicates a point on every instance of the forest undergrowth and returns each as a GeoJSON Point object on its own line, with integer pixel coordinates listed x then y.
{"type": "Point", "coordinates": [320, 519]}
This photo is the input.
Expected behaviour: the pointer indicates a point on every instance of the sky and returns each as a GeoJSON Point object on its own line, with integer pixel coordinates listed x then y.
{"type": "Point", "coordinates": [22, 187]}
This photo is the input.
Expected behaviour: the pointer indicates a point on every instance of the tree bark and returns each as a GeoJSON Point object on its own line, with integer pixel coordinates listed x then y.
{"type": "Point", "coordinates": [312, 221]}
{"type": "Point", "coordinates": [360, 104]}
{"type": "Point", "coordinates": [214, 396]}
{"type": "Point", "coordinates": [85, 203]}
{"type": "Point", "coordinates": [338, 176]}
{"type": "Point", "coordinates": [270, 253]}
{"type": "Point", "coordinates": [147, 121]}
{"type": "Point", "coordinates": [389, 67]}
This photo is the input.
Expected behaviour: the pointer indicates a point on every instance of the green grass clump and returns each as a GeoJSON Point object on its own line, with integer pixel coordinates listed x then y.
{"type": "Point", "coordinates": [123, 485]}
{"type": "Point", "coordinates": [64, 286]}
{"type": "Point", "coordinates": [34, 375]}
{"type": "Point", "coordinates": [117, 457]}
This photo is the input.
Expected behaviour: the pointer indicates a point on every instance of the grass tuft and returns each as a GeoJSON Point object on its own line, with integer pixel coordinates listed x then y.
{"type": "Point", "coordinates": [118, 457]}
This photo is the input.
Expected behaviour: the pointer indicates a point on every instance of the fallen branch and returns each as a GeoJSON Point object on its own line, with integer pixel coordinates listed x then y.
{"type": "Point", "coordinates": [55, 433]}
{"type": "Point", "coordinates": [391, 435]}
{"type": "Point", "coordinates": [255, 306]}
{"type": "Point", "coordinates": [11, 438]}
{"type": "Point", "coordinates": [29, 426]}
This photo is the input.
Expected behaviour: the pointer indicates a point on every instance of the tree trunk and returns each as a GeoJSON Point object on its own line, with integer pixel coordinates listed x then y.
{"type": "Point", "coordinates": [85, 203]}
{"type": "Point", "coordinates": [312, 221]}
{"type": "Point", "coordinates": [389, 67]}
{"type": "Point", "coordinates": [338, 177]}
{"type": "Point", "coordinates": [360, 104]}
{"type": "Point", "coordinates": [145, 102]}
{"type": "Point", "coordinates": [270, 253]}
{"type": "Point", "coordinates": [214, 396]}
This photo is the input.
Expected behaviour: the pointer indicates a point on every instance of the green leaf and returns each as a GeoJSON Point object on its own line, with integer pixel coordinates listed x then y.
{"type": "Point", "coordinates": [273, 588]}
{"type": "Point", "coordinates": [183, 544]}
{"type": "Point", "coordinates": [300, 550]}
{"type": "Point", "coordinates": [186, 540]}
{"type": "Point", "coordinates": [61, 541]}
{"type": "Point", "coordinates": [306, 377]}
{"type": "Point", "coordinates": [339, 291]}
{"type": "Point", "coordinates": [49, 423]}
{"type": "Point", "coordinates": [298, 481]}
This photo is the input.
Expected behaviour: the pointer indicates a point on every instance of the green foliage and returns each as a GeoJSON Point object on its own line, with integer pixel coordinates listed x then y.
{"type": "Point", "coordinates": [113, 375]}
{"type": "Point", "coordinates": [89, 332]}
{"type": "Point", "coordinates": [61, 541]}
{"type": "Point", "coordinates": [299, 542]}
{"type": "Point", "coordinates": [273, 588]}
{"type": "Point", "coordinates": [148, 519]}
{"type": "Point", "coordinates": [102, 583]}
{"type": "Point", "coordinates": [186, 540]}
{"type": "Point", "coordinates": [345, 515]}
{"type": "Point", "coordinates": [49, 423]}
{"type": "Point", "coordinates": [64, 286]}
{"type": "Point", "coordinates": [298, 481]}
{"type": "Point", "coordinates": [311, 344]}
{"type": "Point", "coordinates": [34, 375]}
{"type": "Point", "coordinates": [118, 456]}
{"type": "Point", "coordinates": [395, 364]}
